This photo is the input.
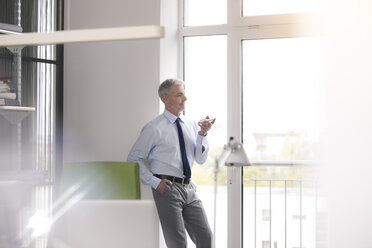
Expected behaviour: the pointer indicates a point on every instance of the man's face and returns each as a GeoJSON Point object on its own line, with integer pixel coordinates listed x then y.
{"type": "Point", "coordinates": [175, 100]}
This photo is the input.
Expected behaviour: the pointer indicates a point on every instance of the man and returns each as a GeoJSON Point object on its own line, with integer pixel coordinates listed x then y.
{"type": "Point", "coordinates": [165, 151]}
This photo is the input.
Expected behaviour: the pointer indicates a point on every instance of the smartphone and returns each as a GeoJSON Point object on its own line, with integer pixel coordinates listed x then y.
{"type": "Point", "coordinates": [210, 120]}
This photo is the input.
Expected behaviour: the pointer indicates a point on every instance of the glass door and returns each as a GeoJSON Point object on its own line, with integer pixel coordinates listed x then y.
{"type": "Point", "coordinates": [282, 109]}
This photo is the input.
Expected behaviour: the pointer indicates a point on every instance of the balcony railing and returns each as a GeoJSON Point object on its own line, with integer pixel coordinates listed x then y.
{"type": "Point", "coordinates": [283, 213]}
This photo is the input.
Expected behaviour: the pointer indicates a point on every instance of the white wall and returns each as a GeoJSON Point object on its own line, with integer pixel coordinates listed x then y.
{"type": "Point", "coordinates": [349, 156]}
{"type": "Point", "coordinates": [110, 89]}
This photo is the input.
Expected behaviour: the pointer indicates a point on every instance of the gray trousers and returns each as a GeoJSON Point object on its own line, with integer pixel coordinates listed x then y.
{"type": "Point", "coordinates": [179, 208]}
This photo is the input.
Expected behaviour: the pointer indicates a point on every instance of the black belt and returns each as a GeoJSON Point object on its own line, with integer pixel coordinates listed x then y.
{"type": "Point", "coordinates": [174, 179]}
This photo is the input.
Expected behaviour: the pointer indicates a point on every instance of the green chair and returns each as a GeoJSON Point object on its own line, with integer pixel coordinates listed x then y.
{"type": "Point", "coordinates": [101, 180]}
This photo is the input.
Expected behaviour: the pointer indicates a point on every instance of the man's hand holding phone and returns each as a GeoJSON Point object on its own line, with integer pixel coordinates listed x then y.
{"type": "Point", "coordinates": [205, 125]}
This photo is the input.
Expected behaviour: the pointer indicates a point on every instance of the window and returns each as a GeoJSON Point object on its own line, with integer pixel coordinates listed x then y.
{"type": "Point", "coordinates": [276, 7]}
{"type": "Point", "coordinates": [205, 12]}
{"type": "Point", "coordinates": [282, 109]}
{"type": "Point", "coordinates": [248, 64]}
{"type": "Point", "coordinates": [282, 98]}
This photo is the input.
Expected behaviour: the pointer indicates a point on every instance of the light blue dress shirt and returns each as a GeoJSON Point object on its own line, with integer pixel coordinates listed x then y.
{"type": "Point", "coordinates": [157, 148]}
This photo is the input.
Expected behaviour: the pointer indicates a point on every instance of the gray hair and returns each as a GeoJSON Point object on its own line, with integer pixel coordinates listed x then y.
{"type": "Point", "coordinates": [166, 85]}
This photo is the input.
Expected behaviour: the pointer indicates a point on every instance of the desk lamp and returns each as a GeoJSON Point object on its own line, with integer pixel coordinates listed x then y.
{"type": "Point", "coordinates": [233, 155]}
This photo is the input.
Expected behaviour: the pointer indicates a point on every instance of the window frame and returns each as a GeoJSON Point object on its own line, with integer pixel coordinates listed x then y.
{"type": "Point", "coordinates": [239, 28]}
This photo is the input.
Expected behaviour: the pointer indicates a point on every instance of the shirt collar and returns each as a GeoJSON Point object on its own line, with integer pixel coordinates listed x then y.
{"type": "Point", "coordinates": [171, 117]}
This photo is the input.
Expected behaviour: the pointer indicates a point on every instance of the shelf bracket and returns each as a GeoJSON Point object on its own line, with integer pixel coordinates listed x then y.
{"type": "Point", "coordinates": [15, 49]}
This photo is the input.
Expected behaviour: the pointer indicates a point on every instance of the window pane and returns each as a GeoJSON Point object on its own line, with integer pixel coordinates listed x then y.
{"type": "Point", "coordinates": [206, 85]}
{"type": "Point", "coordinates": [282, 103]}
{"type": "Point", "coordinates": [282, 98]}
{"type": "Point", "coordinates": [275, 7]}
{"type": "Point", "coordinates": [205, 12]}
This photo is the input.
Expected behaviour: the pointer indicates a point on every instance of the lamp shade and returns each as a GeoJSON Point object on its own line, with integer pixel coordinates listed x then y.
{"type": "Point", "coordinates": [237, 157]}
{"type": "Point", "coordinates": [233, 154]}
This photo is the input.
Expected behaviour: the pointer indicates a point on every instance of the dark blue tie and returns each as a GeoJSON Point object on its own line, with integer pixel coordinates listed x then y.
{"type": "Point", "coordinates": [185, 162]}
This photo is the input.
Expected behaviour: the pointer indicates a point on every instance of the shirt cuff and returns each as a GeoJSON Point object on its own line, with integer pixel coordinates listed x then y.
{"type": "Point", "coordinates": [154, 182]}
{"type": "Point", "coordinates": [200, 139]}
{"type": "Point", "coordinates": [202, 135]}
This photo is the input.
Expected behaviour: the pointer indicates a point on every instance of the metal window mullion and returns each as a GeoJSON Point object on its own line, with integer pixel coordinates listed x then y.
{"type": "Point", "coordinates": [270, 185]}
{"type": "Point", "coordinates": [255, 214]}
{"type": "Point", "coordinates": [234, 128]}
{"type": "Point", "coordinates": [316, 214]}
{"type": "Point", "coordinates": [300, 214]}
{"type": "Point", "coordinates": [285, 213]}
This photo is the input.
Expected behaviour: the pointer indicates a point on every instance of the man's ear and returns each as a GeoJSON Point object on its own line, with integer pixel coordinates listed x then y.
{"type": "Point", "coordinates": [164, 98]}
